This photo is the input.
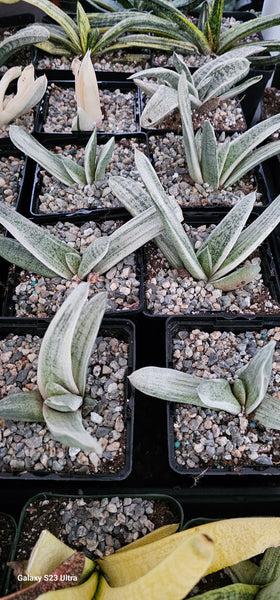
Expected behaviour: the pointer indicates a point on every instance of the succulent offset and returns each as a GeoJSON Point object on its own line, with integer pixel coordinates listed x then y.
{"type": "Point", "coordinates": [62, 369]}
{"type": "Point", "coordinates": [29, 93]}
{"type": "Point", "coordinates": [89, 115]}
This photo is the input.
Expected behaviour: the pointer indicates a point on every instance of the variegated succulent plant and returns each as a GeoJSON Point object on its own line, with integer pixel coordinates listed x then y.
{"type": "Point", "coordinates": [29, 93]}
{"type": "Point", "coordinates": [64, 168]}
{"type": "Point", "coordinates": [62, 369]}
{"type": "Point", "coordinates": [225, 248]}
{"type": "Point", "coordinates": [210, 84]}
{"type": "Point", "coordinates": [247, 393]}
{"type": "Point", "coordinates": [89, 115]}
{"type": "Point", "coordinates": [32, 34]}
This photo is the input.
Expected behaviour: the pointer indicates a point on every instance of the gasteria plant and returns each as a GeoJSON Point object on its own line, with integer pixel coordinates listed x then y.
{"type": "Point", "coordinates": [62, 370]}
{"type": "Point", "coordinates": [224, 164]}
{"type": "Point", "coordinates": [89, 113]}
{"type": "Point", "coordinates": [29, 93]}
{"type": "Point", "coordinates": [209, 85]}
{"type": "Point", "coordinates": [64, 168]}
{"type": "Point", "coordinates": [225, 248]}
{"type": "Point", "coordinates": [246, 394]}
{"type": "Point", "coordinates": [104, 32]}
{"type": "Point", "coordinates": [33, 34]}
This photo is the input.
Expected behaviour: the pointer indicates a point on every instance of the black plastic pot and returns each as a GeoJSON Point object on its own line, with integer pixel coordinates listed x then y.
{"type": "Point", "coordinates": [7, 534]}
{"type": "Point", "coordinates": [33, 178]}
{"type": "Point", "coordinates": [236, 325]}
{"type": "Point", "coordinates": [123, 329]}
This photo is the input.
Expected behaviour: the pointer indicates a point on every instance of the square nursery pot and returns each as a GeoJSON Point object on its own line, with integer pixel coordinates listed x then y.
{"type": "Point", "coordinates": [168, 158]}
{"type": "Point", "coordinates": [205, 442]}
{"type": "Point", "coordinates": [119, 101]}
{"type": "Point", "coordinates": [174, 292]}
{"type": "Point", "coordinates": [46, 195]}
{"type": "Point", "coordinates": [27, 450]}
{"type": "Point", "coordinates": [7, 537]}
{"type": "Point", "coordinates": [9, 25]}
{"type": "Point", "coordinates": [94, 524]}
{"type": "Point", "coordinates": [31, 295]}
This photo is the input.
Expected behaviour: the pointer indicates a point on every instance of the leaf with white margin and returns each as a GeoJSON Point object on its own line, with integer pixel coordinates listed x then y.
{"type": "Point", "coordinates": [256, 375]}
{"type": "Point", "coordinates": [22, 406]}
{"type": "Point", "coordinates": [237, 279]}
{"type": "Point", "coordinates": [90, 158]}
{"type": "Point", "coordinates": [68, 429]}
{"type": "Point", "coordinates": [55, 359]}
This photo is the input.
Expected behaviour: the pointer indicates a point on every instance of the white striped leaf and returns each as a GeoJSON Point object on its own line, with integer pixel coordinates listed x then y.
{"type": "Point", "coordinates": [223, 238]}
{"type": "Point", "coordinates": [64, 402]}
{"type": "Point", "coordinates": [45, 247]}
{"type": "Point", "coordinates": [256, 375]}
{"type": "Point", "coordinates": [165, 206]}
{"type": "Point", "coordinates": [217, 394]}
{"type": "Point", "coordinates": [222, 153]}
{"type": "Point", "coordinates": [22, 406]}
{"type": "Point", "coordinates": [146, 86]}
{"type": "Point", "coordinates": [163, 101]}
{"type": "Point", "coordinates": [12, 251]}
{"type": "Point", "coordinates": [213, 24]}
{"type": "Point", "coordinates": [25, 37]}
{"type": "Point", "coordinates": [255, 158]}
{"type": "Point", "coordinates": [236, 53]}
{"type": "Point", "coordinates": [242, 30]}
{"type": "Point", "coordinates": [251, 237]}
{"type": "Point", "coordinates": [225, 77]}
{"type": "Point", "coordinates": [181, 67]}
{"type": "Point", "coordinates": [206, 261]}
{"type": "Point", "coordinates": [58, 15]}
{"type": "Point", "coordinates": [167, 384]}
{"type": "Point", "coordinates": [188, 133]}
{"type": "Point", "coordinates": [58, 42]}
{"type": "Point", "coordinates": [104, 158]}
{"type": "Point", "coordinates": [149, 41]}
{"type": "Point", "coordinates": [55, 359]}
{"type": "Point", "coordinates": [240, 88]}
{"type": "Point", "coordinates": [268, 413]}
{"type": "Point", "coordinates": [73, 261]}
{"type": "Point", "coordinates": [68, 429]}
{"type": "Point", "coordinates": [93, 255]}
{"type": "Point", "coordinates": [84, 337]}
{"type": "Point", "coordinates": [161, 73]}
{"type": "Point", "coordinates": [246, 142]}
{"type": "Point", "coordinates": [31, 147]}
{"type": "Point", "coordinates": [90, 158]}
{"type": "Point", "coordinates": [84, 27]}
{"type": "Point", "coordinates": [236, 279]}
{"type": "Point", "coordinates": [209, 161]}
{"type": "Point", "coordinates": [76, 172]}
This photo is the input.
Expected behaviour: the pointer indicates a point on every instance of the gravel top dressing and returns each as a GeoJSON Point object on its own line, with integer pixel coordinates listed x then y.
{"type": "Point", "coordinates": [38, 296]}
{"type": "Point", "coordinates": [117, 108]}
{"type": "Point", "coordinates": [54, 196]}
{"type": "Point", "coordinates": [30, 446]}
{"type": "Point", "coordinates": [117, 62]}
{"type": "Point", "coordinates": [10, 172]}
{"type": "Point", "coordinates": [170, 291]}
{"type": "Point", "coordinates": [96, 526]}
{"type": "Point", "coordinates": [169, 162]}
{"type": "Point", "coordinates": [26, 121]}
{"type": "Point", "coordinates": [207, 438]}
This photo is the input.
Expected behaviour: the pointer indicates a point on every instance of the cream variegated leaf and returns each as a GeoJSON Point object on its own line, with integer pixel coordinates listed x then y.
{"type": "Point", "coordinates": [104, 157]}
{"type": "Point", "coordinates": [68, 429]}
{"type": "Point", "coordinates": [168, 384]}
{"type": "Point", "coordinates": [256, 375]}
{"type": "Point", "coordinates": [92, 255]}
{"type": "Point", "coordinates": [237, 278]}
{"type": "Point", "coordinates": [217, 394]}
{"type": "Point", "coordinates": [64, 402]}
{"type": "Point", "coordinates": [90, 158]}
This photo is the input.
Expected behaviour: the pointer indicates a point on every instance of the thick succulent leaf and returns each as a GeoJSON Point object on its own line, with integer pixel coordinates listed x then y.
{"type": "Point", "coordinates": [209, 161]}
{"type": "Point", "coordinates": [87, 93]}
{"type": "Point", "coordinates": [222, 153]}
{"type": "Point", "coordinates": [238, 89]}
{"type": "Point", "coordinates": [242, 572]}
{"type": "Point", "coordinates": [146, 86]}
{"type": "Point", "coordinates": [153, 42]}
{"type": "Point", "coordinates": [48, 160]}
{"type": "Point", "coordinates": [44, 246]}
{"type": "Point", "coordinates": [135, 199]}
{"type": "Point", "coordinates": [181, 67]}
{"type": "Point", "coordinates": [234, 591]}
{"type": "Point", "coordinates": [68, 429]}
{"type": "Point", "coordinates": [129, 237]}
{"type": "Point", "coordinates": [268, 412]}
{"type": "Point", "coordinates": [256, 375]}
{"type": "Point", "coordinates": [165, 75]}
{"type": "Point", "coordinates": [209, 67]}
{"type": "Point", "coordinates": [237, 279]}
{"type": "Point", "coordinates": [188, 4]}
{"type": "Point", "coordinates": [73, 261]}
{"type": "Point", "coordinates": [58, 41]}
{"type": "Point", "coordinates": [90, 158]}
{"type": "Point", "coordinates": [82, 122]}
{"type": "Point", "coordinates": [58, 15]}
{"type": "Point", "coordinates": [9, 76]}
{"type": "Point", "coordinates": [64, 402]}
{"type": "Point", "coordinates": [252, 237]}
{"type": "Point", "coordinates": [217, 394]}
{"type": "Point", "coordinates": [188, 133]}
{"type": "Point", "coordinates": [224, 78]}
{"type": "Point", "coordinates": [12, 251]}
{"type": "Point", "coordinates": [269, 569]}
{"type": "Point", "coordinates": [55, 360]}
{"type": "Point", "coordinates": [270, 591]}
{"type": "Point", "coordinates": [239, 392]}
{"type": "Point", "coordinates": [22, 406]}
{"type": "Point", "coordinates": [83, 25]}
{"type": "Point", "coordinates": [168, 384]}
{"type": "Point", "coordinates": [163, 102]}
{"type": "Point", "coordinates": [84, 337]}
{"type": "Point", "coordinates": [51, 47]}
{"type": "Point", "coordinates": [93, 255]}
{"type": "Point", "coordinates": [224, 236]}
{"type": "Point", "coordinates": [165, 207]}
{"type": "Point", "coordinates": [255, 158]}
{"type": "Point", "coordinates": [206, 261]}
{"type": "Point", "coordinates": [104, 158]}
{"type": "Point", "coordinates": [29, 93]}
{"type": "Point", "coordinates": [232, 35]}
{"type": "Point", "coordinates": [74, 170]}
{"type": "Point", "coordinates": [25, 37]}
{"type": "Point", "coordinates": [214, 22]}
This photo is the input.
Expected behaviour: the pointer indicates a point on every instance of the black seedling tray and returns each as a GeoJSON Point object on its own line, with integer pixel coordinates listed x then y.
{"type": "Point", "coordinates": [113, 327]}
{"type": "Point", "coordinates": [7, 532]}
{"type": "Point", "coordinates": [235, 325]}
{"type": "Point", "coordinates": [33, 176]}
{"type": "Point", "coordinates": [10, 276]}
{"type": "Point", "coordinates": [103, 84]}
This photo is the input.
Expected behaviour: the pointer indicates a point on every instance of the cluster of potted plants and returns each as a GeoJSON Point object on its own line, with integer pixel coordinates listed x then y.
{"type": "Point", "coordinates": [140, 297]}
